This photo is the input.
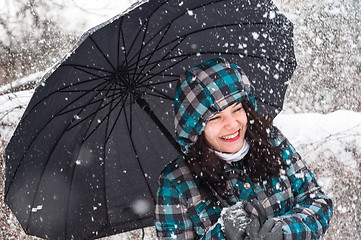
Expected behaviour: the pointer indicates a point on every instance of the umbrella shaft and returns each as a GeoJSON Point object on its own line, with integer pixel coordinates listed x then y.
{"type": "Point", "coordinates": [145, 106]}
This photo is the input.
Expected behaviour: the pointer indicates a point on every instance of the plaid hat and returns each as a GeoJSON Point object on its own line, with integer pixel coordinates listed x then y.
{"type": "Point", "coordinates": [205, 90]}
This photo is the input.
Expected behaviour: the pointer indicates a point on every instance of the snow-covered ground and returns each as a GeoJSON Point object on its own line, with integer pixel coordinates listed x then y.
{"type": "Point", "coordinates": [327, 142]}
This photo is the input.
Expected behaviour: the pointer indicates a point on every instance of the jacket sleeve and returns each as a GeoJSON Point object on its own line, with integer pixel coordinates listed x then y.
{"type": "Point", "coordinates": [171, 215]}
{"type": "Point", "coordinates": [309, 218]}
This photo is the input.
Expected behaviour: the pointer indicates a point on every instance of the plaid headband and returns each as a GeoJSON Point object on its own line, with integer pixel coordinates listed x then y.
{"type": "Point", "coordinates": [205, 90]}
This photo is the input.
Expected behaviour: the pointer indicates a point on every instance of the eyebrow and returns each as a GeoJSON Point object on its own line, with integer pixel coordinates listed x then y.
{"type": "Point", "coordinates": [238, 103]}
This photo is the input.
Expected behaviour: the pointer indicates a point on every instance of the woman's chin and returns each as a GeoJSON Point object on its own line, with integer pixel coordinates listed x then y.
{"type": "Point", "coordinates": [231, 147]}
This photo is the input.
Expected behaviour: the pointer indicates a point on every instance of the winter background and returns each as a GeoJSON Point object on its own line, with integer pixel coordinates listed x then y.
{"type": "Point", "coordinates": [322, 111]}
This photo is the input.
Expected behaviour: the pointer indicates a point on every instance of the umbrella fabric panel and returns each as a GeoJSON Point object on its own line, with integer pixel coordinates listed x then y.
{"type": "Point", "coordinates": [129, 166]}
{"type": "Point", "coordinates": [269, 97]}
{"type": "Point", "coordinates": [87, 209]}
{"type": "Point", "coordinates": [81, 201]}
{"type": "Point", "coordinates": [40, 187]}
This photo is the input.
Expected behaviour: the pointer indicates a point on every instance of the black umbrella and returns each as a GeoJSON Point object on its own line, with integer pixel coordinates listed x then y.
{"type": "Point", "coordinates": [85, 158]}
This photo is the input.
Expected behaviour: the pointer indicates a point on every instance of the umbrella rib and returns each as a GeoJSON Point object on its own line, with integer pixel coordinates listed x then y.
{"type": "Point", "coordinates": [102, 53]}
{"type": "Point", "coordinates": [42, 174]}
{"type": "Point", "coordinates": [159, 73]}
{"type": "Point", "coordinates": [86, 91]}
{"type": "Point", "coordinates": [149, 86]}
{"type": "Point", "coordinates": [82, 82]}
{"type": "Point", "coordinates": [153, 52]}
{"type": "Point", "coordinates": [167, 27]}
{"type": "Point", "coordinates": [104, 158]}
{"type": "Point", "coordinates": [269, 104]}
{"type": "Point", "coordinates": [91, 116]}
{"type": "Point", "coordinates": [112, 128]}
{"type": "Point", "coordinates": [124, 50]}
{"type": "Point", "coordinates": [136, 153]}
{"type": "Point", "coordinates": [81, 96]}
{"type": "Point", "coordinates": [104, 171]}
{"type": "Point", "coordinates": [155, 95]}
{"type": "Point", "coordinates": [140, 79]}
{"type": "Point", "coordinates": [79, 67]}
{"type": "Point", "coordinates": [120, 34]}
{"type": "Point", "coordinates": [68, 203]}
{"type": "Point", "coordinates": [93, 102]}
{"type": "Point", "coordinates": [152, 74]}
{"type": "Point", "coordinates": [142, 45]}
{"type": "Point", "coordinates": [149, 56]}
{"type": "Point", "coordinates": [161, 94]}
{"type": "Point", "coordinates": [86, 138]}
{"type": "Point", "coordinates": [100, 107]}
{"type": "Point", "coordinates": [147, 19]}
{"type": "Point", "coordinates": [165, 82]}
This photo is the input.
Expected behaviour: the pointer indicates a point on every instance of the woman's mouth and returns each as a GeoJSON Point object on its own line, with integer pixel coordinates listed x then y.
{"type": "Point", "coordinates": [231, 137]}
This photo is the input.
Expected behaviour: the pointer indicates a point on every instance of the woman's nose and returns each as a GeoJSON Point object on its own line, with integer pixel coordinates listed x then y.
{"type": "Point", "coordinates": [229, 122]}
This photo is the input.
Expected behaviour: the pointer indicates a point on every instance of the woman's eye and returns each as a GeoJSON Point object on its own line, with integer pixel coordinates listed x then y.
{"type": "Point", "coordinates": [238, 109]}
{"type": "Point", "coordinates": [213, 118]}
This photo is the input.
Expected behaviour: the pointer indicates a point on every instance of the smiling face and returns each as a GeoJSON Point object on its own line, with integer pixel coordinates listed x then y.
{"type": "Point", "coordinates": [225, 131]}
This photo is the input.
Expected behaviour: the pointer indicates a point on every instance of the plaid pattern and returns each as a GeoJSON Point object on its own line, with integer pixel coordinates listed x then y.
{"type": "Point", "coordinates": [205, 90]}
{"type": "Point", "coordinates": [295, 199]}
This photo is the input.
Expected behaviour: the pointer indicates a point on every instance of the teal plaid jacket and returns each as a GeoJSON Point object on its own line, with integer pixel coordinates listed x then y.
{"type": "Point", "coordinates": [295, 199]}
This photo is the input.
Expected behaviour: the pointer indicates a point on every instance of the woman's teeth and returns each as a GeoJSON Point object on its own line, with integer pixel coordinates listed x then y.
{"type": "Point", "coordinates": [230, 136]}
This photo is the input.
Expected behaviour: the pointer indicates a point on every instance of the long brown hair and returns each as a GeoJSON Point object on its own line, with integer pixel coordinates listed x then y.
{"type": "Point", "coordinates": [262, 162]}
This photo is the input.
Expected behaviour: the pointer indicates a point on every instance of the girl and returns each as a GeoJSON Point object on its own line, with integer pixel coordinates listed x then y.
{"type": "Point", "coordinates": [233, 153]}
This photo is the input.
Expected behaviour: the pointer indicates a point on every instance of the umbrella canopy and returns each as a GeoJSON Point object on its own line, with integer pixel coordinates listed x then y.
{"type": "Point", "coordinates": [85, 158]}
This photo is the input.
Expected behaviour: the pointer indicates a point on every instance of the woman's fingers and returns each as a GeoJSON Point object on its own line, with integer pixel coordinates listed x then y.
{"type": "Point", "coordinates": [253, 228]}
{"type": "Point", "coordinates": [276, 232]}
{"type": "Point", "coordinates": [260, 210]}
{"type": "Point", "coordinates": [266, 227]}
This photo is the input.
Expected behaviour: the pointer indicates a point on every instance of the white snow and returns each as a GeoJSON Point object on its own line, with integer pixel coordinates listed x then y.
{"type": "Point", "coordinates": [332, 133]}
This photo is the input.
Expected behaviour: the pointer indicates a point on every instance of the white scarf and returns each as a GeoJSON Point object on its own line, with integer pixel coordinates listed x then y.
{"type": "Point", "coordinates": [234, 157]}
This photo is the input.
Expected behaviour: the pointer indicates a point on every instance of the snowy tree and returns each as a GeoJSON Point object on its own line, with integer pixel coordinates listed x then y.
{"type": "Point", "coordinates": [328, 49]}
{"type": "Point", "coordinates": [30, 37]}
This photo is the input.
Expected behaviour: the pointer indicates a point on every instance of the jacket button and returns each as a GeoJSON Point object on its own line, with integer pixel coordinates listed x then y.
{"type": "Point", "coordinates": [246, 186]}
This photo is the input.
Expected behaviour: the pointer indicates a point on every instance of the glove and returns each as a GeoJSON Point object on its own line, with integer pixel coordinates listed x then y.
{"type": "Point", "coordinates": [235, 220]}
{"type": "Point", "coordinates": [262, 229]}
{"type": "Point", "coordinates": [270, 230]}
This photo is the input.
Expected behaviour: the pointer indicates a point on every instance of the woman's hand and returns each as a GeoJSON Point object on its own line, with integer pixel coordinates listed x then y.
{"type": "Point", "coordinates": [270, 230]}
{"type": "Point", "coordinates": [235, 220]}
{"type": "Point", "coordinates": [263, 228]}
